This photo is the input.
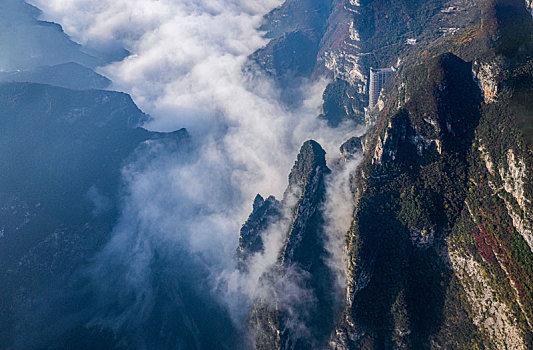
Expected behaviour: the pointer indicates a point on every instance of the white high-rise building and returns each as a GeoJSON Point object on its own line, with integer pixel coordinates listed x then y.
{"type": "Point", "coordinates": [378, 77]}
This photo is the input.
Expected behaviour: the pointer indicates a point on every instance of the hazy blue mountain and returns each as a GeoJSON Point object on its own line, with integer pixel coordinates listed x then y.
{"type": "Point", "coordinates": [26, 42]}
{"type": "Point", "coordinates": [68, 75]}
{"type": "Point", "coordinates": [296, 29]}
{"type": "Point", "coordinates": [62, 151]}
{"type": "Point", "coordinates": [61, 154]}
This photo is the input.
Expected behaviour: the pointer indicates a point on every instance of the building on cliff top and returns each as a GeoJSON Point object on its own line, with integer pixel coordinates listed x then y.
{"type": "Point", "coordinates": [378, 77]}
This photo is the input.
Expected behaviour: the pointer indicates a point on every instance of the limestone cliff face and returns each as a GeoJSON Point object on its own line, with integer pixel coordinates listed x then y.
{"type": "Point", "coordinates": [513, 177]}
{"type": "Point", "coordinates": [488, 74]}
{"type": "Point", "coordinates": [492, 316]}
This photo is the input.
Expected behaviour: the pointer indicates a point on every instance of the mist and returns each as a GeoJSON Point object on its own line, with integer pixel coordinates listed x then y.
{"type": "Point", "coordinates": [338, 213]}
{"type": "Point", "coordinates": [185, 208]}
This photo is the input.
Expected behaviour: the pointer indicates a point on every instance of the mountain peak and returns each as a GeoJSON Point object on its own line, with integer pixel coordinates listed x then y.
{"type": "Point", "coordinates": [258, 202]}
{"type": "Point", "coordinates": [311, 156]}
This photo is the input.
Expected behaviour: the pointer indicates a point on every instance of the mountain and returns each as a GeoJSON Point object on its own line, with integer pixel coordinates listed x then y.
{"type": "Point", "coordinates": [61, 155]}
{"type": "Point", "coordinates": [439, 249]}
{"type": "Point", "coordinates": [67, 151]}
{"type": "Point", "coordinates": [40, 52]}
{"type": "Point", "coordinates": [26, 42]}
{"type": "Point", "coordinates": [64, 158]}
{"type": "Point", "coordinates": [296, 29]}
{"type": "Point", "coordinates": [451, 266]}
{"type": "Point", "coordinates": [68, 75]}
{"type": "Point", "coordinates": [439, 253]}
{"type": "Point", "coordinates": [283, 322]}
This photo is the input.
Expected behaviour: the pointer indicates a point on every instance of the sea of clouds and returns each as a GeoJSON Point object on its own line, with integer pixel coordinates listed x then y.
{"type": "Point", "coordinates": [186, 69]}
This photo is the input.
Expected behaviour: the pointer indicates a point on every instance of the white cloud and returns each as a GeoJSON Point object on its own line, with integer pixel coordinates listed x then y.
{"type": "Point", "coordinates": [186, 71]}
{"type": "Point", "coordinates": [338, 213]}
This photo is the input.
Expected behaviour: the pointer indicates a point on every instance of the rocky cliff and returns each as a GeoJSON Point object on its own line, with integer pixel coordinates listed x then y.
{"type": "Point", "coordinates": [439, 253]}
{"type": "Point", "coordinates": [450, 269]}
{"type": "Point", "coordinates": [298, 305]}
